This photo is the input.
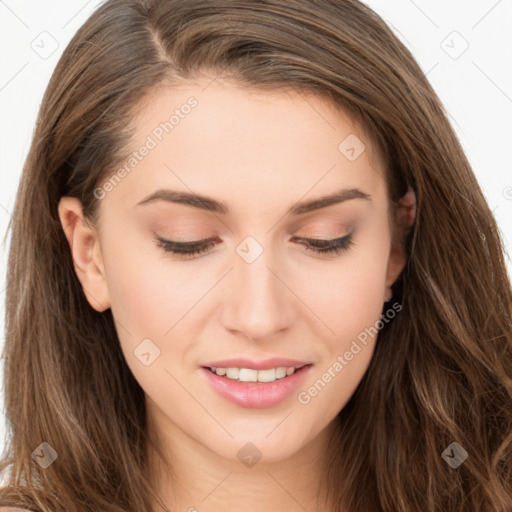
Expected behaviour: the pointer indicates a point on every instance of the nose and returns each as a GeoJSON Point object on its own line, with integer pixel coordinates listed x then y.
{"type": "Point", "coordinates": [258, 302]}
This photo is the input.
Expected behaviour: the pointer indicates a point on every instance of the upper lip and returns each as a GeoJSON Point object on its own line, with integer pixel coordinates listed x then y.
{"type": "Point", "coordinates": [265, 364]}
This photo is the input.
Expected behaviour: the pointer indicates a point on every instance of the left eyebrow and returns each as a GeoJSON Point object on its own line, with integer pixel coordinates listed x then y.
{"type": "Point", "coordinates": [212, 205]}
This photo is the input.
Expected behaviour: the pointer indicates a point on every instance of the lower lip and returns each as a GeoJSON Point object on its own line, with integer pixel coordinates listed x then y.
{"type": "Point", "coordinates": [256, 395]}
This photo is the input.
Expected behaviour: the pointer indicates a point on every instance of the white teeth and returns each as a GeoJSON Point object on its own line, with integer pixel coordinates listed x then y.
{"type": "Point", "coordinates": [280, 372]}
{"type": "Point", "coordinates": [232, 373]}
{"type": "Point", "coordinates": [267, 375]}
{"type": "Point", "coordinates": [250, 375]}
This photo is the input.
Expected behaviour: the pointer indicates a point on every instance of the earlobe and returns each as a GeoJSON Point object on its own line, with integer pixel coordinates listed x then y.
{"type": "Point", "coordinates": [404, 219]}
{"type": "Point", "coordinates": [85, 250]}
{"type": "Point", "coordinates": [406, 213]}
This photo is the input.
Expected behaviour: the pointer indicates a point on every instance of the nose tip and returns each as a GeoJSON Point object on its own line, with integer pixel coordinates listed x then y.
{"type": "Point", "coordinates": [256, 302]}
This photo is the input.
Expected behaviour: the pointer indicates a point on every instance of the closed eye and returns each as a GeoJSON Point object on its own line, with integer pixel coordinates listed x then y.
{"type": "Point", "coordinates": [334, 246]}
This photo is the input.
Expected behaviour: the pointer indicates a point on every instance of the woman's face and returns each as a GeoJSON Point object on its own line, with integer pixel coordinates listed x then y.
{"type": "Point", "coordinates": [258, 297]}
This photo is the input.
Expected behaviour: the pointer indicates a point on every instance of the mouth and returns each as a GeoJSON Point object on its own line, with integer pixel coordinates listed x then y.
{"type": "Point", "coordinates": [256, 388]}
{"type": "Point", "coordinates": [253, 375]}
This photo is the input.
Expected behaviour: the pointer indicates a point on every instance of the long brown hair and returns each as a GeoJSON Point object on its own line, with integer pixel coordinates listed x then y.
{"type": "Point", "coordinates": [442, 370]}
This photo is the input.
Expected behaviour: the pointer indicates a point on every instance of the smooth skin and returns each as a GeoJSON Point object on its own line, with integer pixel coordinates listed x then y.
{"type": "Point", "coordinates": [260, 153]}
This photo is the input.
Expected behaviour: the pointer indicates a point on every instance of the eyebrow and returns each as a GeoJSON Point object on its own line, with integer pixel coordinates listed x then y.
{"type": "Point", "coordinates": [212, 205]}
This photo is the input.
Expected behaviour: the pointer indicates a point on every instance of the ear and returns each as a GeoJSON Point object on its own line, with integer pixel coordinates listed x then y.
{"type": "Point", "coordinates": [405, 216]}
{"type": "Point", "coordinates": [85, 251]}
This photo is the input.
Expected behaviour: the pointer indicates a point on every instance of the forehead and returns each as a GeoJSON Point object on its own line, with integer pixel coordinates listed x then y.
{"type": "Point", "coordinates": [229, 141]}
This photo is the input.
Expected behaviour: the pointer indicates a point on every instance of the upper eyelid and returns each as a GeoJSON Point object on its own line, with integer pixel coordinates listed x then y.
{"type": "Point", "coordinates": [327, 246]}
{"type": "Point", "coordinates": [347, 228]}
{"type": "Point", "coordinates": [318, 242]}
{"type": "Point", "coordinates": [320, 246]}
{"type": "Point", "coordinates": [308, 239]}
{"type": "Point", "coordinates": [212, 239]}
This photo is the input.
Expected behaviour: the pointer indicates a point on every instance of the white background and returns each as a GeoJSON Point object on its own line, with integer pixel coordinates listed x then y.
{"type": "Point", "coordinates": [475, 85]}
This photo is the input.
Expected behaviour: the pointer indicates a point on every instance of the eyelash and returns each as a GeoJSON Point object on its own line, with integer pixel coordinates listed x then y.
{"type": "Point", "coordinates": [335, 246]}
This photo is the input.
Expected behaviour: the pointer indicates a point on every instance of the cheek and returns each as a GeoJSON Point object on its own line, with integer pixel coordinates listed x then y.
{"type": "Point", "coordinates": [151, 301]}
{"type": "Point", "coordinates": [149, 293]}
{"type": "Point", "coordinates": [348, 292]}
{"type": "Point", "coordinates": [158, 308]}
{"type": "Point", "coordinates": [352, 309]}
